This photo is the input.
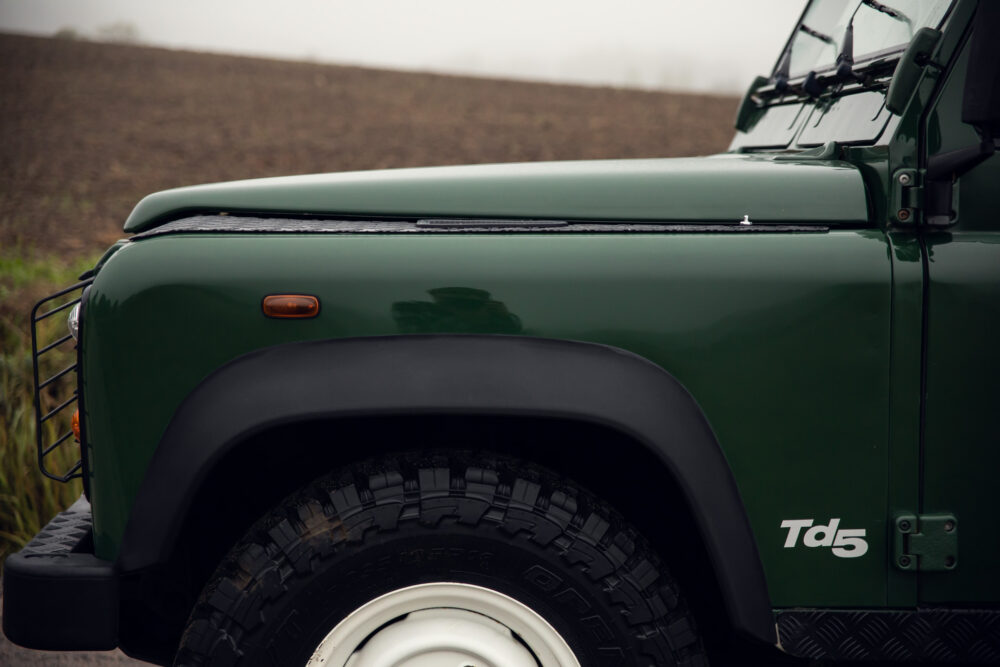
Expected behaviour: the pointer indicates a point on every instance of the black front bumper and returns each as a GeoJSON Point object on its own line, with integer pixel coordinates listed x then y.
{"type": "Point", "coordinates": [56, 594]}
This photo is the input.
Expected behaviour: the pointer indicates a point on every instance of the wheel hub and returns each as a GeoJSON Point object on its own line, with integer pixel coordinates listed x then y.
{"type": "Point", "coordinates": [443, 625]}
{"type": "Point", "coordinates": [443, 638]}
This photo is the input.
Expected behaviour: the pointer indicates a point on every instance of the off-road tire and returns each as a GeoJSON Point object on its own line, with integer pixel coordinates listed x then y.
{"type": "Point", "coordinates": [493, 522]}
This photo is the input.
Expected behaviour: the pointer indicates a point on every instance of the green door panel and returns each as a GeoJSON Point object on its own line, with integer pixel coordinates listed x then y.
{"type": "Point", "coordinates": [961, 454]}
{"type": "Point", "coordinates": [905, 397]}
{"type": "Point", "coordinates": [962, 445]}
{"type": "Point", "coordinates": [783, 339]}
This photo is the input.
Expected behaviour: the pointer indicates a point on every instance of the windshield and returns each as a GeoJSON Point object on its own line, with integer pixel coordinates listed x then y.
{"type": "Point", "coordinates": [879, 28]}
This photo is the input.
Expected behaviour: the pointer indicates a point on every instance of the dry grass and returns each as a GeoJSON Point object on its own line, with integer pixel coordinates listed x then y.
{"type": "Point", "coordinates": [27, 499]}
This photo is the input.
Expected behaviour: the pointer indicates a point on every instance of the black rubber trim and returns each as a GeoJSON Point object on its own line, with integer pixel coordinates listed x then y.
{"type": "Point", "coordinates": [447, 374]}
{"type": "Point", "coordinates": [926, 635]}
{"type": "Point", "coordinates": [81, 406]}
{"type": "Point", "coordinates": [58, 597]}
{"type": "Point", "coordinates": [243, 224]}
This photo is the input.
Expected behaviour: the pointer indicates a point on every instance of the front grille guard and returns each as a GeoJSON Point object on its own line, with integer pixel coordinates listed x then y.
{"type": "Point", "coordinates": [58, 390]}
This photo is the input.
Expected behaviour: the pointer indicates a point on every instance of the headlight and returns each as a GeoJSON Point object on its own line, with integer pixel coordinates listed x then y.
{"type": "Point", "coordinates": [73, 322]}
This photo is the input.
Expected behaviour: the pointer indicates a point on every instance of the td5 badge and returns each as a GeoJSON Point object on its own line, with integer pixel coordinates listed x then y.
{"type": "Point", "coordinates": [844, 542]}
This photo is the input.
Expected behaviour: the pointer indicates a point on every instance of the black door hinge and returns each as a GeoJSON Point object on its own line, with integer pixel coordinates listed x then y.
{"type": "Point", "coordinates": [906, 197]}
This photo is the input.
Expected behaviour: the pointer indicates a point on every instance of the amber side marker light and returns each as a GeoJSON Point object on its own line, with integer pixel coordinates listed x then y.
{"type": "Point", "coordinates": [75, 423]}
{"type": "Point", "coordinates": [290, 306]}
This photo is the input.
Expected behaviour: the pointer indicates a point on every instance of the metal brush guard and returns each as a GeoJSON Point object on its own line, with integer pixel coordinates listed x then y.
{"type": "Point", "coordinates": [57, 392]}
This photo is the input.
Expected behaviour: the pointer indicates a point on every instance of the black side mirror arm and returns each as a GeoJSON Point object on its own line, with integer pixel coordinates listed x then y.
{"type": "Point", "coordinates": [980, 108]}
{"type": "Point", "coordinates": [942, 172]}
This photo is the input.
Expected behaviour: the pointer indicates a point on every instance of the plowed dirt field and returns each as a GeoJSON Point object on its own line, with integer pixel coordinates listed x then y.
{"type": "Point", "coordinates": [87, 129]}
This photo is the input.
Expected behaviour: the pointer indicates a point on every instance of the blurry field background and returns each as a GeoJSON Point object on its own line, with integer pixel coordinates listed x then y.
{"type": "Point", "coordinates": [87, 129]}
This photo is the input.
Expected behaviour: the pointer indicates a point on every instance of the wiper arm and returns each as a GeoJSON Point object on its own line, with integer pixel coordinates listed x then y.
{"type": "Point", "coordinates": [783, 70]}
{"type": "Point", "coordinates": [781, 73]}
{"type": "Point", "coordinates": [845, 59]}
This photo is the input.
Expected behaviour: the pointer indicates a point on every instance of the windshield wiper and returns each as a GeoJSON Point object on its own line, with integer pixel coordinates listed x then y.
{"type": "Point", "coordinates": [815, 33]}
{"type": "Point", "coordinates": [783, 71]}
{"type": "Point", "coordinates": [845, 59]}
{"type": "Point", "coordinates": [814, 85]}
{"type": "Point", "coordinates": [887, 10]}
{"type": "Point", "coordinates": [844, 67]}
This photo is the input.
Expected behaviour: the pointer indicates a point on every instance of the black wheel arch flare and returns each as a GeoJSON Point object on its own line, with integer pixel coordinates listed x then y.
{"type": "Point", "coordinates": [458, 375]}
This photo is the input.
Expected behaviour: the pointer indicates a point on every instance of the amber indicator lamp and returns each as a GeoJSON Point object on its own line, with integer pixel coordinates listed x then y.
{"type": "Point", "coordinates": [290, 306]}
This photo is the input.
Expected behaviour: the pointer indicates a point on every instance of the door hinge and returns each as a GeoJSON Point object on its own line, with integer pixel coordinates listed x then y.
{"type": "Point", "coordinates": [933, 202]}
{"type": "Point", "coordinates": [925, 542]}
{"type": "Point", "coordinates": [907, 198]}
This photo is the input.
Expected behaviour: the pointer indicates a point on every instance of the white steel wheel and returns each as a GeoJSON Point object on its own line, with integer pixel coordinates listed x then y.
{"type": "Point", "coordinates": [443, 625]}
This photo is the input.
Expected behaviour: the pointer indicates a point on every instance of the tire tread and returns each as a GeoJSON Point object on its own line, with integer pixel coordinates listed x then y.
{"type": "Point", "coordinates": [350, 508]}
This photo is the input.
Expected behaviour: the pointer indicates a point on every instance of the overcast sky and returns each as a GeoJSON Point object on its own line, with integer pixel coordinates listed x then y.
{"type": "Point", "coordinates": [701, 45]}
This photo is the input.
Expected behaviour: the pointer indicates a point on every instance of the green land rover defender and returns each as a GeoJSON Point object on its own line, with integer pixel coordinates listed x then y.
{"type": "Point", "coordinates": [646, 412]}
